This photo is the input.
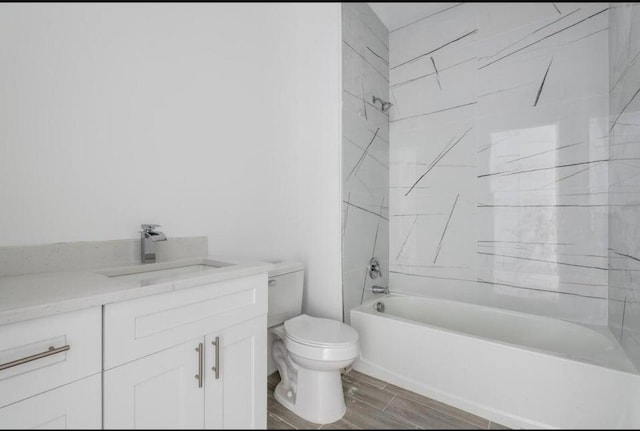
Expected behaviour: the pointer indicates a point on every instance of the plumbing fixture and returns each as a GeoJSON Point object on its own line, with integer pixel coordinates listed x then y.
{"type": "Point", "coordinates": [379, 307]}
{"type": "Point", "coordinates": [148, 238]}
{"type": "Point", "coordinates": [384, 106]}
{"type": "Point", "coordinates": [380, 289]}
{"type": "Point", "coordinates": [374, 268]}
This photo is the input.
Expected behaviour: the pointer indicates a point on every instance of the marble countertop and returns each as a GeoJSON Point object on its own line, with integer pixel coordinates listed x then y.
{"type": "Point", "coordinates": [30, 296]}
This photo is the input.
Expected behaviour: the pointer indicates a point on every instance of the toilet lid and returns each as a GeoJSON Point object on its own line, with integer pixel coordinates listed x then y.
{"type": "Point", "coordinates": [320, 332]}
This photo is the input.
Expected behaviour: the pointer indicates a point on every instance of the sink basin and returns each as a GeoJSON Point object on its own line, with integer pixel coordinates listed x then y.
{"type": "Point", "coordinates": [155, 273]}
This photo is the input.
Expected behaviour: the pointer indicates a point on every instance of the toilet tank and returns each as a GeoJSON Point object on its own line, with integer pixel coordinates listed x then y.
{"type": "Point", "coordinates": [286, 282]}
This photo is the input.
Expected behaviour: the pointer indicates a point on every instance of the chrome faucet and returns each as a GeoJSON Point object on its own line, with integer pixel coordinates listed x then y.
{"type": "Point", "coordinates": [374, 268]}
{"type": "Point", "coordinates": [148, 238]}
{"type": "Point", "coordinates": [380, 289]}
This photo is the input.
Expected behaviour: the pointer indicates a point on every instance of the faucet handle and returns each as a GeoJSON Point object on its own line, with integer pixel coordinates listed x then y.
{"type": "Point", "coordinates": [149, 227]}
{"type": "Point", "coordinates": [374, 268]}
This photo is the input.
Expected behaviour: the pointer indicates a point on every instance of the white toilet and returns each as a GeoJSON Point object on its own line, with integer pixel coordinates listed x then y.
{"type": "Point", "coordinates": [309, 352]}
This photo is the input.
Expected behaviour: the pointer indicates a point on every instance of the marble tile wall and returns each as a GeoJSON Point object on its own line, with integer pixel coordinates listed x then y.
{"type": "Point", "coordinates": [365, 152]}
{"type": "Point", "coordinates": [624, 176]}
{"type": "Point", "coordinates": [499, 157]}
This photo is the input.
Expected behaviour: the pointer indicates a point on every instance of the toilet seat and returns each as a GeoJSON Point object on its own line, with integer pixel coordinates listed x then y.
{"type": "Point", "coordinates": [316, 331]}
{"type": "Point", "coordinates": [320, 339]}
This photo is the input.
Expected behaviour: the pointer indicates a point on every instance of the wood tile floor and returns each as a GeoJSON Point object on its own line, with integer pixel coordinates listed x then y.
{"type": "Point", "coordinates": [374, 404]}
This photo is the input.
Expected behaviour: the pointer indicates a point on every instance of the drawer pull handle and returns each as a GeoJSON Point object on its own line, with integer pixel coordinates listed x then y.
{"type": "Point", "coordinates": [199, 376]}
{"type": "Point", "coordinates": [52, 351]}
{"type": "Point", "coordinates": [216, 344]}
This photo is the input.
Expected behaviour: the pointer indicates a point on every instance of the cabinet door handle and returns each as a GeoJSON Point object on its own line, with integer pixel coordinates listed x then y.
{"type": "Point", "coordinates": [52, 351]}
{"type": "Point", "coordinates": [199, 376]}
{"type": "Point", "coordinates": [216, 368]}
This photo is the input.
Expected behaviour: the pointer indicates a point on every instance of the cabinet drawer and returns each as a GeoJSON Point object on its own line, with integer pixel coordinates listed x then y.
{"type": "Point", "coordinates": [74, 406]}
{"type": "Point", "coordinates": [139, 327]}
{"type": "Point", "coordinates": [30, 366]}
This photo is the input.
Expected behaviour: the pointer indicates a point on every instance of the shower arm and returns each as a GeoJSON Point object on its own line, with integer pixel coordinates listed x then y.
{"type": "Point", "coordinates": [384, 106]}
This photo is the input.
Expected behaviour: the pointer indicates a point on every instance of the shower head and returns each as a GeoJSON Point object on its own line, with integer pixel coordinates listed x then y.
{"type": "Point", "coordinates": [384, 105]}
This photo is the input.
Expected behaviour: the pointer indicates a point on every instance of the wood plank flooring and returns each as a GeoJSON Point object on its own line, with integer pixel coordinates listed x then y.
{"type": "Point", "coordinates": [374, 404]}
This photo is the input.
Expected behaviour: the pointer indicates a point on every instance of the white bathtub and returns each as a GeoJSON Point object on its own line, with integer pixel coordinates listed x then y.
{"type": "Point", "coordinates": [516, 369]}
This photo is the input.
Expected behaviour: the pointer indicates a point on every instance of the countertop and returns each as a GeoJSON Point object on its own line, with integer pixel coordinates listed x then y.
{"type": "Point", "coordinates": [30, 296]}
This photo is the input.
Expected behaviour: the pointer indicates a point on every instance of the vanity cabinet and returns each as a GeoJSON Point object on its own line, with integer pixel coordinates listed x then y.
{"type": "Point", "coordinates": [194, 358]}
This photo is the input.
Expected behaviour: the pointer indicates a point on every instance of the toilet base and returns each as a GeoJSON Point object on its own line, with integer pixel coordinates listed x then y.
{"type": "Point", "coordinates": [322, 403]}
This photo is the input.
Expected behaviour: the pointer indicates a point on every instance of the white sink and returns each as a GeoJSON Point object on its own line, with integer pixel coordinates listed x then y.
{"type": "Point", "coordinates": [154, 273]}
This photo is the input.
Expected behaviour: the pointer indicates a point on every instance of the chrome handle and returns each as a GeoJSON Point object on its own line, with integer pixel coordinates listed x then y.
{"type": "Point", "coordinates": [52, 351]}
{"type": "Point", "coordinates": [199, 349]}
{"type": "Point", "coordinates": [216, 344]}
{"type": "Point", "coordinates": [374, 268]}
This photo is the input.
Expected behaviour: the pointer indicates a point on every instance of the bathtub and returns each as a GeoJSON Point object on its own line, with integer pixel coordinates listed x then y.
{"type": "Point", "coordinates": [520, 370]}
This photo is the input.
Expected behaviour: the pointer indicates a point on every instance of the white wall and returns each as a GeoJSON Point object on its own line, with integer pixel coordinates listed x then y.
{"type": "Point", "coordinates": [210, 119]}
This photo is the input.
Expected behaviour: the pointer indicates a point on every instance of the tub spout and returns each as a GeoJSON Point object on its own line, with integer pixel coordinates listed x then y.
{"type": "Point", "coordinates": [380, 289]}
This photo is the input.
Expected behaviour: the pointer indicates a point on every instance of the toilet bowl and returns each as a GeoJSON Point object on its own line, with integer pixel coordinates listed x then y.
{"type": "Point", "coordinates": [309, 353]}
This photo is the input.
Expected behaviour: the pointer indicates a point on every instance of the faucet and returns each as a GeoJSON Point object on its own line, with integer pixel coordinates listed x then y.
{"type": "Point", "coordinates": [148, 238]}
{"type": "Point", "coordinates": [380, 289]}
{"type": "Point", "coordinates": [374, 268]}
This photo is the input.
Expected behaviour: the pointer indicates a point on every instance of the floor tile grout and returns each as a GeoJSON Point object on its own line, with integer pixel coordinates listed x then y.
{"type": "Point", "coordinates": [387, 405]}
{"type": "Point", "coordinates": [281, 419]}
{"type": "Point", "coordinates": [362, 393]}
{"type": "Point", "coordinates": [436, 408]}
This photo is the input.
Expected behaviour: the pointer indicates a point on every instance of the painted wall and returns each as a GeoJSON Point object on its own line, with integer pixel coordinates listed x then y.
{"type": "Point", "coordinates": [365, 152]}
{"type": "Point", "coordinates": [499, 157]}
{"type": "Point", "coordinates": [210, 119]}
{"type": "Point", "coordinates": [624, 176]}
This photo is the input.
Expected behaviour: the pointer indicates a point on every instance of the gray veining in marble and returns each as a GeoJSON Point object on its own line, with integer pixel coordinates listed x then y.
{"type": "Point", "coordinates": [624, 176]}
{"type": "Point", "coordinates": [499, 157]}
{"type": "Point", "coordinates": [365, 150]}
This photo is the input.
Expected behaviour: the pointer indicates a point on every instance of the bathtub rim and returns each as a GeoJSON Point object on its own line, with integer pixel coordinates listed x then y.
{"type": "Point", "coordinates": [367, 308]}
{"type": "Point", "coordinates": [494, 413]}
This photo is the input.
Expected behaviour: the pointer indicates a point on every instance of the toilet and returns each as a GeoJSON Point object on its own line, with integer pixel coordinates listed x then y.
{"type": "Point", "coordinates": [309, 352]}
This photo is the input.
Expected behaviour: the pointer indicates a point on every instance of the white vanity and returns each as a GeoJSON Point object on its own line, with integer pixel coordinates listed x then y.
{"type": "Point", "coordinates": [164, 345]}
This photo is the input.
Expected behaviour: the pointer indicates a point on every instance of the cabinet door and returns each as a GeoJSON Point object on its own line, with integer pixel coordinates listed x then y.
{"type": "Point", "coordinates": [77, 405]}
{"type": "Point", "coordinates": [157, 391]}
{"type": "Point", "coordinates": [238, 397]}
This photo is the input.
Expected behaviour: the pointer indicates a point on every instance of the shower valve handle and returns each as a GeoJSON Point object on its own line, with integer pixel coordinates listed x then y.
{"type": "Point", "coordinates": [374, 268]}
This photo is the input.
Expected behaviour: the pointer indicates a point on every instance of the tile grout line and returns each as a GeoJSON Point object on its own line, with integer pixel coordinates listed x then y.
{"type": "Point", "coordinates": [453, 415]}
{"type": "Point", "coordinates": [281, 419]}
{"type": "Point", "coordinates": [387, 387]}
{"type": "Point", "coordinates": [387, 405]}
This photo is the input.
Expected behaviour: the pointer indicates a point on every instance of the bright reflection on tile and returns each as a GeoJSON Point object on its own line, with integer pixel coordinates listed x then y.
{"type": "Point", "coordinates": [499, 157]}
